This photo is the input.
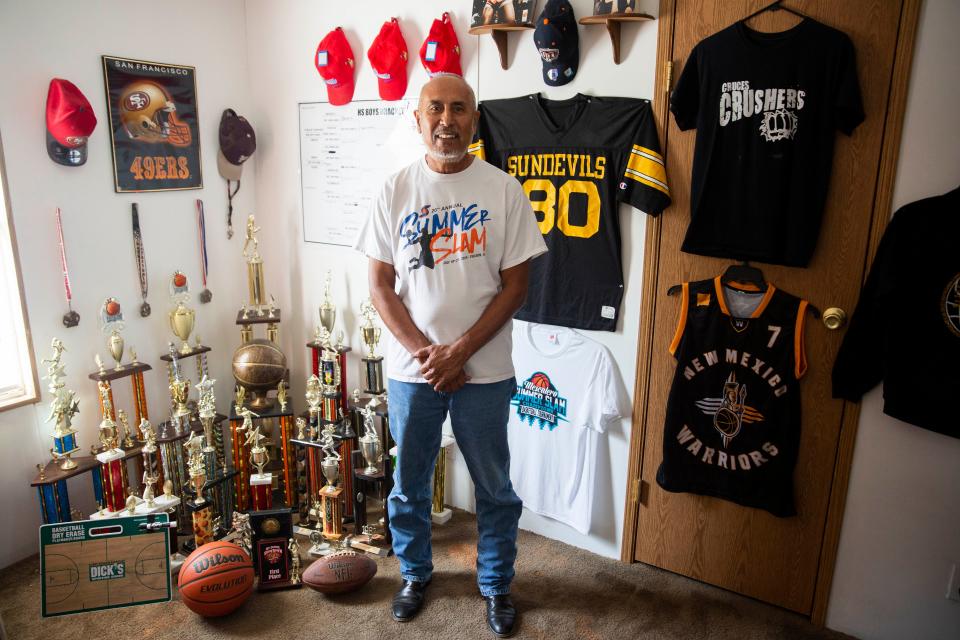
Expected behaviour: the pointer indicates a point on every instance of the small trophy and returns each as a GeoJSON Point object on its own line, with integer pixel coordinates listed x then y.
{"type": "Point", "coordinates": [110, 456]}
{"type": "Point", "coordinates": [373, 364]}
{"type": "Point", "coordinates": [150, 469]}
{"type": "Point", "coordinates": [370, 446]}
{"type": "Point", "coordinates": [330, 370]}
{"type": "Point", "coordinates": [124, 433]}
{"type": "Point", "coordinates": [179, 390]}
{"type": "Point", "coordinates": [196, 468]}
{"type": "Point", "coordinates": [64, 407]}
{"type": "Point", "coordinates": [314, 397]}
{"type": "Point", "coordinates": [207, 410]}
{"type": "Point", "coordinates": [328, 311]}
{"type": "Point", "coordinates": [330, 506]}
{"type": "Point", "coordinates": [182, 318]}
{"type": "Point", "coordinates": [261, 484]}
{"type": "Point", "coordinates": [111, 322]}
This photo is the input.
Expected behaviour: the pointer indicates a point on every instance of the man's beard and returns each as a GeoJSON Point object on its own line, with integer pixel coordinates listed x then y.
{"type": "Point", "coordinates": [446, 156]}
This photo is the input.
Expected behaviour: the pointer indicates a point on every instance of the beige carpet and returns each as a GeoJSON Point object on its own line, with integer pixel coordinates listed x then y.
{"type": "Point", "coordinates": [562, 592]}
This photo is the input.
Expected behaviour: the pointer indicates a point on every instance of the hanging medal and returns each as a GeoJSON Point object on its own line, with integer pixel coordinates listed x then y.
{"type": "Point", "coordinates": [141, 261]}
{"type": "Point", "coordinates": [205, 295]}
{"type": "Point", "coordinates": [71, 318]}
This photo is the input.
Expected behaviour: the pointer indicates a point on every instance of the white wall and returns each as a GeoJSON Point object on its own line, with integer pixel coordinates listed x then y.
{"type": "Point", "coordinates": [46, 39]}
{"type": "Point", "coordinates": [282, 37]}
{"type": "Point", "coordinates": [901, 528]}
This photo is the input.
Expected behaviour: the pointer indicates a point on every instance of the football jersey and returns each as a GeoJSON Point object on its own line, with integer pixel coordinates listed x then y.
{"type": "Point", "coordinates": [576, 159]}
{"type": "Point", "coordinates": [733, 416]}
{"type": "Point", "coordinates": [567, 393]}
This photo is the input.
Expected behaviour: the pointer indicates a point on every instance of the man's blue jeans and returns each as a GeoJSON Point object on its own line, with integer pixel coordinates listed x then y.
{"type": "Point", "coordinates": [478, 413]}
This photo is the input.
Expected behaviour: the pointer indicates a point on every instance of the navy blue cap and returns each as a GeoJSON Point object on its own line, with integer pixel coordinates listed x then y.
{"type": "Point", "coordinates": [558, 42]}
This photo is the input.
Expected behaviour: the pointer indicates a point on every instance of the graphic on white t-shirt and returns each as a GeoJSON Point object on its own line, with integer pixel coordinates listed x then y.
{"type": "Point", "coordinates": [447, 233]}
{"type": "Point", "coordinates": [539, 403]}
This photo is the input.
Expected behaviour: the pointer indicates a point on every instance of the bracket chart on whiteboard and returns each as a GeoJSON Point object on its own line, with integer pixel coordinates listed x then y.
{"type": "Point", "coordinates": [346, 153]}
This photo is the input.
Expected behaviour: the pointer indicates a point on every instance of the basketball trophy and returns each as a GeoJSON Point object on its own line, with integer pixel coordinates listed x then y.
{"type": "Point", "coordinates": [370, 446]}
{"type": "Point", "coordinates": [373, 364]}
{"type": "Point", "coordinates": [254, 265]}
{"type": "Point", "coordinates": [330, 506]}
{"type": "Point", "coordinates": [261, 484]}
{"type": "Point", "coordinates": [330, 374]}
{"type": "Point", "coordinates": [64, 407]}
{"type": "Point", "coordinates": [110, 456]}
{"type": "Point", "coordinates": [182, 318]}
{"type": "Point", "coordinates": [111, 322]}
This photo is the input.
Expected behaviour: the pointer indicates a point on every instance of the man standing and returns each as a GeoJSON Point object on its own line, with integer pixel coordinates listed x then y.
{"type": "Point", "coordinates": [450, 239]}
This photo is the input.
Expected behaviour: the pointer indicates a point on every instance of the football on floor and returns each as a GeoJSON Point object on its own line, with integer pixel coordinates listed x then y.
{"type": "Point", "coordinates": [340, 572]}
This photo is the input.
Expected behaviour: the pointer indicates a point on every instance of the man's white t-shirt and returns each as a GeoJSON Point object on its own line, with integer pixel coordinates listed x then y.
{"type": "Point", "coordinates": [448, 236]}
{"type": "Point", "coordinates": [567, 393]}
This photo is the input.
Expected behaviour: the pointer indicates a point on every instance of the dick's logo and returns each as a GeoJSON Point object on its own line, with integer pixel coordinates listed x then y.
{"type": "Point", "coordinates": [108, 570]}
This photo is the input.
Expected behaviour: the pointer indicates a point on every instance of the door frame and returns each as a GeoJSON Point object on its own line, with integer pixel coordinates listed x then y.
{"type": "Point", "coordinates": [880, 215]}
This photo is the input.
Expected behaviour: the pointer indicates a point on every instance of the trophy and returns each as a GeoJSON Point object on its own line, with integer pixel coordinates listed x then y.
{"type": "Point", "coordinates": [330, 506]}
{"type": "Point", "coordinates": [254, 265]}
{"type": "Point", "coordinates": [110, 456]}
{"type": "Point", "coordinates": [179, 390]}
{"type": "Point", "coordinates": [261, 484]}
{"type": "Point", "coordinates": [124, 434]}
{"type": "Point", "coordinates": [314, 398]}
{"type": "Point", "coordinates": [373, 364]}
{"type": "Point", "coordinates": [150, 470]}
{"type": "Point", "coordinates": [111, 321]}
{"type": "Point", "coordinates": [182, 318]}
{"type": "Point", "coordinates": [328, 311]}
{"type": "Point", "coordinates": [207, 410]}
{"type": "Point", "coordinates": [282, 396]}
{"type": "Point", "coordinates": [330, 371]}
{"type": "Point", "coordinates": [64, 407]}
{"type": "Point", "coordinates": [370, 446]}
{"type": "Point", "coordinates": [195, 466]}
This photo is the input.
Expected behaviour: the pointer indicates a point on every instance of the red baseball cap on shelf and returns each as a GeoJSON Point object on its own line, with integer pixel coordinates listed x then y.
{"type": "Point", "coordinates": [388, 57]}
{"type": "Point", "coordinates": [334, 60]}
{"type": "Point", "coordinates": [70, 121]}
{"type": "Point", "coordinates": [440, 52]}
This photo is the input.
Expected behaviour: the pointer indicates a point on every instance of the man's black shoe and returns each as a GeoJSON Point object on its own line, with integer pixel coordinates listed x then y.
{"type": "Point", "coordinates": [407, 601]}
{"type": "Point", "coordinates": [501, 615]}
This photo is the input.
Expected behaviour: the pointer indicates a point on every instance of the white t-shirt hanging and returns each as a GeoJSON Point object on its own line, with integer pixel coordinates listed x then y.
{"type": "Point", "coordinates": [448, 236]}
{"type": "Point", "coordinates": [567, 393]}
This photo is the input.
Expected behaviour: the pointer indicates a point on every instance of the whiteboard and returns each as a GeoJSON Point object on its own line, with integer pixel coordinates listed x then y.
{"type": "Point", "coordinates": [346, 153]}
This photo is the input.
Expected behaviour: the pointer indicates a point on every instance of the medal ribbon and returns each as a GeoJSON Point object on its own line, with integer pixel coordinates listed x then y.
{"type": "Point", "coordinates": [138, 251]}
{"type": "Point", "coordinates": [63, 260]}
{"type": "Point", "coordinates": [202, 230]}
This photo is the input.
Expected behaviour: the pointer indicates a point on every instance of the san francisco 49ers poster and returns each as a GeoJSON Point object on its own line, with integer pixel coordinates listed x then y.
{"type": "Point", "coordinates": [153, 125]}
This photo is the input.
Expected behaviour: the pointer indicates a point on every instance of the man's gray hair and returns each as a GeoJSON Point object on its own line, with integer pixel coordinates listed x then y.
{"type": "Point", "coordinates": [447, 74]}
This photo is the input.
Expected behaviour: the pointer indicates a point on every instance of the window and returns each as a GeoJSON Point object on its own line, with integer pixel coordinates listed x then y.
{"type": "Point", "coordinates": [18, 374]}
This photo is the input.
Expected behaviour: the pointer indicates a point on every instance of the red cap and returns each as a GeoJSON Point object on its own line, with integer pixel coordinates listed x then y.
{"type": "Point", "coordinates": [440, 52]}
{"type": "Point", "coordinates": [388, 57]}
{"type": "Point", "coordinates": [334, 61]}
{"type": "Point", "coordinates": [70, 121]}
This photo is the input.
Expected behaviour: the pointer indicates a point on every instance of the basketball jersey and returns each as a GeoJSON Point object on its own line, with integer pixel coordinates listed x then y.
{"type": "Point", "coordinates": [733, 416]}
{"type": "Point", "coordinates": [577, 159]}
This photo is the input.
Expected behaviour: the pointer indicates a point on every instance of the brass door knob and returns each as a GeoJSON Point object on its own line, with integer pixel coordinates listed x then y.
{"type": "Point", "coordinates": [834, 318]}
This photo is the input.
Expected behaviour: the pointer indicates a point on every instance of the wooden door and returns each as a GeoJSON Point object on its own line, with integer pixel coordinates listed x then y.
{"type": "Point", "coordinates": [784, 561]}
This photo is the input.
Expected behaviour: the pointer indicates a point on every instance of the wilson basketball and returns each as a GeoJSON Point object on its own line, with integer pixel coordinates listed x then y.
{"type": "Point", "coordinates": [216, 579]}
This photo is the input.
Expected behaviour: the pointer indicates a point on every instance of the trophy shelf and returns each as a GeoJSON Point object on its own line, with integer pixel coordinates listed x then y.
{"type": "Point", "coordinates": [253, 317]}
{"type": "Point", "coordinates": [125, 371]}
{"type": "Point", "coordinates": [194, 351]}
{"type": "Point", "coordinates": [52, 472]}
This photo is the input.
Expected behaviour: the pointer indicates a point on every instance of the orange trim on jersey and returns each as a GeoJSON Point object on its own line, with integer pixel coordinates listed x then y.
{"type": "Point", "coordinates": [743, 286]}
{"type": "Point", "coordinates": [682, 322]}
{"type": "Point", "coordinates": [799, 350]}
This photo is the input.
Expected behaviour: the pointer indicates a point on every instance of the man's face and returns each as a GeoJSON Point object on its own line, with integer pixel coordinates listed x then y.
{"type": "Point", "coordinates": [446, 118]}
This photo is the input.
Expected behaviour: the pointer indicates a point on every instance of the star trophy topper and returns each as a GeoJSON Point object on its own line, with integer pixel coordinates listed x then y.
{"type": "Point", "coordinates": [373, 364]}
{"type": "Point", "coordinates": [64, 407]}
{"type": "Point", "coordinates": [111, 322]}
{"type": "Point", "coordinates": [182, 318]}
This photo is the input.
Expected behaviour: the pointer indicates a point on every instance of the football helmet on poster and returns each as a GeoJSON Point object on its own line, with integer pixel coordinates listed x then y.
{"type": "Point", "coordinates": [149, 115]}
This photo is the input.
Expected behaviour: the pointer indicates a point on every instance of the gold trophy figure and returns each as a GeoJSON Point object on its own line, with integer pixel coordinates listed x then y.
{"type": "Point", "coordinates": [328, 311]}
{"type": "Point", "coordinates": [254, 265]}
{"type": "Point", "coordinates": [248, 417]}
{"type": "Point", "coordinates": [330, 506]}
{"type": "Point", "coordinates": [111, 322]}
{"type": "Point", "coordinates": [99, 361]}
{"type": "Point", "coordinates": [294, 550]}
{"type": "Point", "coordinates": [64, 407]}
{"type": "Point", "coordinates": [207, 411]}
{"type": "Point", "coordinates": [240, 393]}
{"type": "Point", "coordinates": [370, 446]}
{"type": "Point", "coordinates": [133, 356]}
{"type": "Point", "coordinates": [282, 396]}
{"type": "Point", "coordinates": [331, 461]}
{"type": "Point", "coordinates": [179, 389]}
{"type": "Point", "coordinates": [259, 456]}
{"type": "Point", "coordinates": [373, 364]}
{"type": "Point", "coordinates": [123, 433]}
{"type": "Point", "coordinates": [195, 466]}
{"type": "Point", "coordinates": [182, 318]}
